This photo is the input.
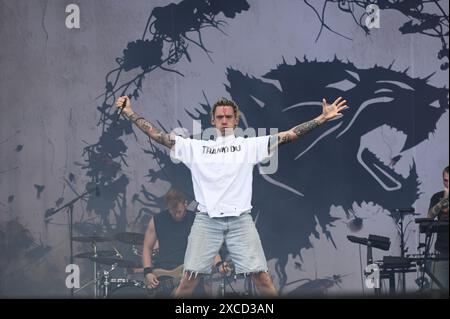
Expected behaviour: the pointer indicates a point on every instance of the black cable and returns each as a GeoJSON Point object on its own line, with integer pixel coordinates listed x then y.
{"type": "Point", "coordinates": [360, 262]}
{"type": "Point", "coordinates": [224, 278]}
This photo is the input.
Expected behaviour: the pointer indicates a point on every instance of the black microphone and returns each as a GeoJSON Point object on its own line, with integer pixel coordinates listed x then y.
{"type": "Point", "coordinates": [375, 241]}
{"type": "Point", "coordinates": [358, 240]}
{"type": "Point", "coordinates": [92, 187]}
{"type": "Point", "coordinates": [405, 210]}
{"type": "Point", "coordinates": [120, 110]}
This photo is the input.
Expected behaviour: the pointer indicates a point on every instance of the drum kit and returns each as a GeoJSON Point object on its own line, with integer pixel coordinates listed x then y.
{"type": "Point", "coordinates": [114, 275]}
{"type": "Point", "coordinates": [119, 276]}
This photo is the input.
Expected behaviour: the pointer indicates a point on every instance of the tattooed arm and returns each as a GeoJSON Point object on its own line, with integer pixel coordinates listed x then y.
{"type": "Point", "coordinates": [145, 126]}
{"type": "Point", "coordinates": [150, 129]}
{"type": "Point", "coordinates": [294, 133]}
{"type": "Point", "coordinates": [329, 111]}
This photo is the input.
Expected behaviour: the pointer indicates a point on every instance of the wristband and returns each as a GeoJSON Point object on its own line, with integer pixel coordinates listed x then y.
{"type": "Point", "coordinates": [148, 270]}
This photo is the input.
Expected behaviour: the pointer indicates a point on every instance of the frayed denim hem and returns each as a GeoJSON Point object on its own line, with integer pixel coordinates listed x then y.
{"type": "Point", "coordinates": [246, 274]}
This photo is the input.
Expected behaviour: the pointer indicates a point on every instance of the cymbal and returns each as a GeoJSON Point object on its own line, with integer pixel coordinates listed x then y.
{"type": "Point", "coordinates": [122, 263]}
{"type": "Point", "coordinates": [99, 253]}
{"type": "Point", "coordinates": [130, 238]}
{"type": "Point", "coordinates": [91, 239]}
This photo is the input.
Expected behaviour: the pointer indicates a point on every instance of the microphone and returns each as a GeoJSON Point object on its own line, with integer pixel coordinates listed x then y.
{"type": "Point", "coordinates": [375, 241]}
{"type": "Point", "coordinates": [93, 187]}
{"type": "Point", "coordinates": [120, 110]}
{"type": "Point", "coordinates": [405, 210]}
{"type": "Point", "coordinates": [357, 240]}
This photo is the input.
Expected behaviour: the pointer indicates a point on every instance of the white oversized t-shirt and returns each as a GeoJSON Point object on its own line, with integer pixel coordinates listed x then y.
{"type": "Point", "coordinates": [222, 171]}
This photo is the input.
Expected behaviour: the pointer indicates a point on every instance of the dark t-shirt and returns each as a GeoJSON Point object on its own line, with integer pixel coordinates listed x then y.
{"type": "Point", "coordinates": [173, 238]}
{"type": "Point", "coordinates": [441, 244]}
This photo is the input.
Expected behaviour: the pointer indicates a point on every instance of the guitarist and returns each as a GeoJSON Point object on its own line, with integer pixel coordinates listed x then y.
{"type": "Point", "coordinates": [170, 229]}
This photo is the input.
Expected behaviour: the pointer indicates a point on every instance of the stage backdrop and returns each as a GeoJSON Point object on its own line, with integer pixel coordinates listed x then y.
{"type": "Point", "coordinates": [63, 64]}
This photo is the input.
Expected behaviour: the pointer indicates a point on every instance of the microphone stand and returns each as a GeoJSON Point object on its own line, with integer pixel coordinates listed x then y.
{"type": "Point", "coordinates": [69, 207]}
{"type": "Point", "coordinates": [425, 270]}
{"type": "Point", "coordinates": [370, 262]}
{"type": "Point", "coordinates": [402, 213]}
{"type": "Point", "coordinates": [402, 249]}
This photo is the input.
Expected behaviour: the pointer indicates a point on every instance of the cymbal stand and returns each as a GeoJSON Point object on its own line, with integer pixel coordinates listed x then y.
{"type": "Point", "coordinates": [402, 249]}
{"type": "Point", "coordinates": [105, 281]}
{"type": "Point", "coordinates": [94, 247]}
{"type": "Point", "coordinates": [377, 290]}
{"type": "Point", "coordinates": [96, 280]}
{"type": "Point", "coordinates": [84, 286]}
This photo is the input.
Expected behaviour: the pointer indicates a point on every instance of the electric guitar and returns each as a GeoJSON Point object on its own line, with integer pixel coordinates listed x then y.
{"type": "Point", "coordinates": [169, 279]}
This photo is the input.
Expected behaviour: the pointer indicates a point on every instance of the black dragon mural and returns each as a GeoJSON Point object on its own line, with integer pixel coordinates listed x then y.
{"type": "Point", "coordinates": [331, 166]}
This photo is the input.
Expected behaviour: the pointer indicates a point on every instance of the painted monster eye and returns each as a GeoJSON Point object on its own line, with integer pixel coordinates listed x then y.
{"type": "Point", "coordinates": [344, 85]}
{"type": "Point", "coordinates": [436, 104]}
{"type": "Point", "coordinates": [259, 102]}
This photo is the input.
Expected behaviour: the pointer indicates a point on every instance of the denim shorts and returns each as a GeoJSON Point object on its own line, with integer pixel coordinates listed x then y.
{"type": "Point", "coordinates": [241, 239]}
